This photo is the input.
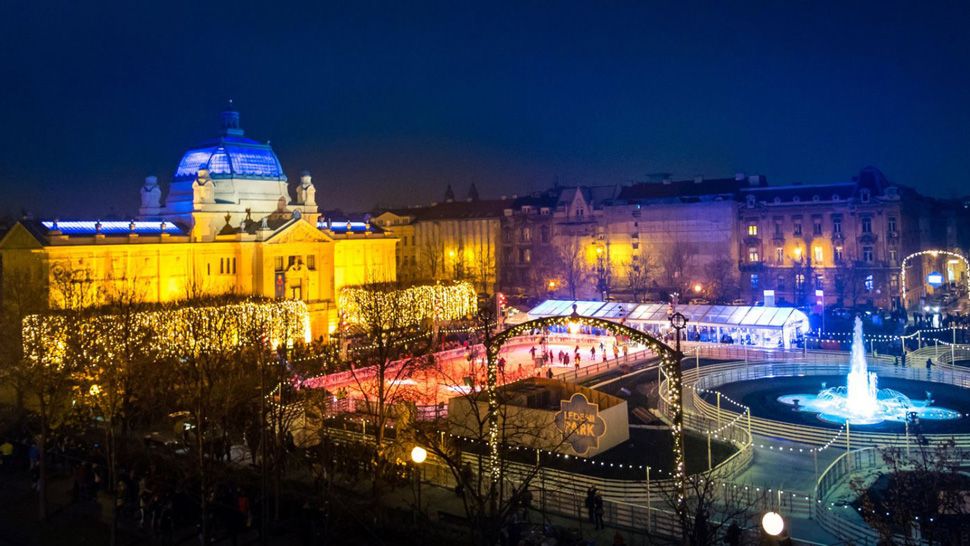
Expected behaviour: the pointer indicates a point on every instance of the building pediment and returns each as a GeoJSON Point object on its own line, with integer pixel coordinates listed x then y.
{"type": "Point", "coordinates": [19, 236]}
{"type": "Point", "coordinates": [297, 230]}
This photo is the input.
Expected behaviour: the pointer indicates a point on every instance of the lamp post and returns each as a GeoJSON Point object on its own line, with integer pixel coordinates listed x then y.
{"type": "Point", "coordinates": [418, 456]}
{"type": "Point", "coordinates": [675, 390]}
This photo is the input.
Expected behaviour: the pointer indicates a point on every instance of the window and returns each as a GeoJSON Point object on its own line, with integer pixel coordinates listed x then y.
{"type": "Point", "coordinates": [278, 263]}
{"type": "Point", "coordinates": [817, 227]}
{"type": "Point", "coordinates": [799, 281]}
{"type": "Point", "coordinates": [544, 234]}
{"type": "Point", "coordinates": [798, 253]}
{"type": "Point", "coordinates": [780, 255]}
{"type": "Point", "coordinates": [778, 228]}
{"type": "Point", "coordinates": [311, 262]}
{"type": "Point", "coordinates": [753, 255]}
{"type": "Point", "coordinates": [755, 280]}
{"type": "Point", "coordinates": [635, 246]}
{"type": "Point", "coordinates": [867, 255]}
{"type": "Point", "coordinates": [866, 225]}
{"type": "Point", "coordinates": [864, 196]}
{"type": "Point", "coordinates": [839, 255]}
{"type": "Point", "coordinates": [870, 285]}
{"type": "Point", "coordinates": [752, 230]}
{"type": "Point", "coordinates": [819, 281]}
{"type": "Point", "coordinates": [290, 261]}
{"type": "Point", "coordinates": [836, 225]}
{"type": "Point", "coordinates": [797, 230]}
{"type": "Point", "coordinates": [780, 283]}
{"type": "Point", "coordinates": [227, 266]}
{"type": "Point", "coordinates": [817, 251]}
{"type": "Point", "coordinates": [892, 224]}
{"type": "Point", "coordinates": [525, 235]}
{"type": "Point", "coordinates": [894, 281]}
{"type": "Point", "coordinates": [892, 255]}
{"type": "Point", "coordinates": [296, 292]}
{"type": "Point", "coordinates": [507, 234]}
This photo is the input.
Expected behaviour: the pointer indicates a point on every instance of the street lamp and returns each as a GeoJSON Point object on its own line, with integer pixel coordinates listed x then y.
{"type": "Point", "coordinates": [418, 455]}
{"type": "Point", "coordinates": [698, 288]}
{"type": "Point", "coordinates": [772, 523]}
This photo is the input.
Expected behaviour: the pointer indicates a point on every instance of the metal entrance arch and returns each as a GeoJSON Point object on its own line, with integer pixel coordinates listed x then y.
{"type": "Point", "coordinates": [669, 366]}
{"type": "Point", "coordinates": [934, 253]}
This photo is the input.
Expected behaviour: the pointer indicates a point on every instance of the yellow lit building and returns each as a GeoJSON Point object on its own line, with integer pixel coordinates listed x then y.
{"type": "Point", "coordinates": [230, 224]}
{"type": "Point", "coordinates": [453, 240]}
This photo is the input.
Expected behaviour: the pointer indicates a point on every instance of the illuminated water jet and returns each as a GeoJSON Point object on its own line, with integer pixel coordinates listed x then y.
{"type": "Point", "coordinates": [860, 401]}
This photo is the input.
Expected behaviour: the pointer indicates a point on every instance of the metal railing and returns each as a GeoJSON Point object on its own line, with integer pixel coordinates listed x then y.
{"type": "Point", "coordinates": [719, 374]}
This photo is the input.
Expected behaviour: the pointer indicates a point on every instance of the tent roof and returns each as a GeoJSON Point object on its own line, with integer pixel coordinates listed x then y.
{"type": "Point", "coordinates": [656, 313]}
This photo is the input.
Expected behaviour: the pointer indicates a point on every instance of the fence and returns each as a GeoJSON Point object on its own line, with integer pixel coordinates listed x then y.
{"type": "Point", "coordinates": [719, 374]}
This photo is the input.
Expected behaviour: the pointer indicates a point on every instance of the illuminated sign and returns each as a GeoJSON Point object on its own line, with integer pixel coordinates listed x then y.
{"type": "Point", "coordinates": [934, 279]}
{"type": "Point", "coordinates": [580, 423]}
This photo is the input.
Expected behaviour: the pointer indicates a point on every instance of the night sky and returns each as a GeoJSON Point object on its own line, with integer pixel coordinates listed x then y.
{"type": "Point", "coordinates": [386, 103]}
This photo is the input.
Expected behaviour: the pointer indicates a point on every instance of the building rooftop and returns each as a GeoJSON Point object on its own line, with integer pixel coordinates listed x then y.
{"type": "Point", "coordinates": [231, 155]}
{"type": "Point", "coordinates": [689, 189]}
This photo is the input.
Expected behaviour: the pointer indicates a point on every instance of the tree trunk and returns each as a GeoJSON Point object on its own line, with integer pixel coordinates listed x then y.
{"type": "Point", "coordinates": [42, 461]}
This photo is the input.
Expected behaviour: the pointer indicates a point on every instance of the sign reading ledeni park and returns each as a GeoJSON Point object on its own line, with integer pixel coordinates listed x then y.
{"type": "Point", "coordinates": [580, 423]}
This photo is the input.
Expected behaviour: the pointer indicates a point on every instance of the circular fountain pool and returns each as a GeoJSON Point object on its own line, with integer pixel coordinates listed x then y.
{"type": "Point", "coordinates": [832, 405]}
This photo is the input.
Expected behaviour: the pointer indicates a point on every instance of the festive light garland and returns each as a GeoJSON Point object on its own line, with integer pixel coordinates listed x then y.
{"type": "Point", "coordinates": [173, 331]}
{"type": "Point", "coordinates": [412, 305]}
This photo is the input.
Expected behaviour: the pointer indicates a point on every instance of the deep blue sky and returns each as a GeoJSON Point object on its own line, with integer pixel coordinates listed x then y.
{"type": "Point", "coordinates": [387, 102]}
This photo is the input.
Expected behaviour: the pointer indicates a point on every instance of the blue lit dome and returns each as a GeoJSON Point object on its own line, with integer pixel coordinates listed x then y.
{"type": "Point", "coordinates": [231, 155]}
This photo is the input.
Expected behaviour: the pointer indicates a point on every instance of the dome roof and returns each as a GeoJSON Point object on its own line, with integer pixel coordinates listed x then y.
{"type": "Point", "coordinates": [231, 155]}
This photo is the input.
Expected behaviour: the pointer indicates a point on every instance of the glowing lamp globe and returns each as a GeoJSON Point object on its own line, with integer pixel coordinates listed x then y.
{"type": "Point", "coordinates": [698, 287]}
{"type": "Point", "coordinates": [419, 454]}
{"type": "Point", "coordinates": [772, 523]}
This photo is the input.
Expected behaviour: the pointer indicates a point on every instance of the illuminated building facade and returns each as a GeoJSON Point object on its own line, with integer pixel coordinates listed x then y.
{"type": "Point", "coordinates": [838, 244]}
{"type": "Point", "coordinates": [452, 240]}
{"type": "Point", "coordinates": [556, 242]}
{"type": "Point", "coordinates": [229, 223]}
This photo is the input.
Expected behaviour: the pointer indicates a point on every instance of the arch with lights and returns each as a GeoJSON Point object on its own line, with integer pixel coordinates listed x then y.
{"type": "Point", "coordinates": [669, 367]}
{"type": "Point", "coordinates": [934, 253]}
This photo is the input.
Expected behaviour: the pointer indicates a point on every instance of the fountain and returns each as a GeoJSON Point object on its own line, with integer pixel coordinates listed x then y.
{"type": "Point", "coordinates": [860, 401]}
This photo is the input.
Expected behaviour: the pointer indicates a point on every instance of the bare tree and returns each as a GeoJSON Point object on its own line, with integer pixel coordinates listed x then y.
{"type": "Point", "coordinates": [432, 251]}
{"type": "Point", "coordinates": [676, 260]}
{"type": "Point", "coordinates": [922, 487]}
{"type": "Point", "coordinates": [639, 273]}
{"type": "Point", "coordinates": [709, 509]}
{"type": "Point", "coordinates": [51, 376]}
{"type": "Point", "coordinates": [203, 364]}
{"type": "Point", "coordinates": [113, 366]}
{"type": "Point", "coordinates": [484, 263]}
{"type": "Point", "coordinates": [24, 294]}
{"type": "Point", "coordinates": [394, 352]}
{"type": "Point", "coordinates": [722, 279]}
{"type": "Point", "coordinates": [572, 262]}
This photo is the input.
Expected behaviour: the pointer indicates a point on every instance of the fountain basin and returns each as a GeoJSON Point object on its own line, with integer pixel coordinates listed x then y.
{"type": "Point", "coordinates": [763, 396]}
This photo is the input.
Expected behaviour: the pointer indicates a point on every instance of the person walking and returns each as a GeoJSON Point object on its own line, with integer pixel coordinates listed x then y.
{"type": "Point", "coordinates": [599, 511]}
{"type": "Point", "coordinates": [591, 503]}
